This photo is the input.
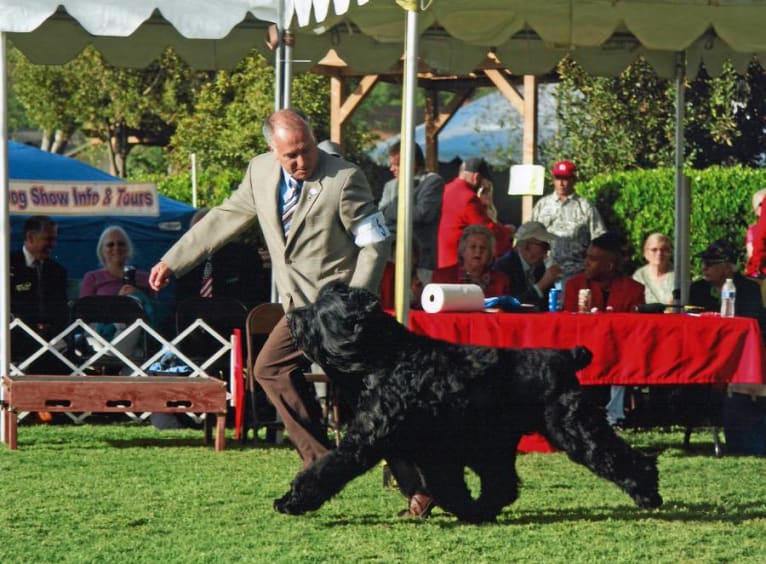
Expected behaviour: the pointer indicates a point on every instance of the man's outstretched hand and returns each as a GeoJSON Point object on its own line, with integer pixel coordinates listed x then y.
{"type": "Point", "coordinates": [159, 277]}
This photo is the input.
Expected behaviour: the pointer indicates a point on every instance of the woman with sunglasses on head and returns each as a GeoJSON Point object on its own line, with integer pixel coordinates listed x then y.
{"type": "Point", "coordinates": [114, 250]}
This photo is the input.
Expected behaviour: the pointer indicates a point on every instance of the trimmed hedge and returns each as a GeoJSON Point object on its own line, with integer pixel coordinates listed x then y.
{"type": "Point", "coordinates": [637, 203]}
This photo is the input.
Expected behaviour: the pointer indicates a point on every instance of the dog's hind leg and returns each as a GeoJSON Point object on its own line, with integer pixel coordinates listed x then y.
{"type": "Point", "coordinates": [446, 482]}
{"type": "Point", "coordinates": [499, 485]}
{"type": "Point", "coordinates": [575, 426]}
{"type": "Point", "coordinates": [325, 478]}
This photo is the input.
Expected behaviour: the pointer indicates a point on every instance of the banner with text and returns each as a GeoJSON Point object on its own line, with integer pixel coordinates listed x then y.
{"type": "Point", "coordinates": [47, 197]}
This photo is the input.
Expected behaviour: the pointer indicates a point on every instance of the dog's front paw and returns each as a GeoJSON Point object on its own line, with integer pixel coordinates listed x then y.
{"type": "Point", "coordinates": [286, 504]}
{"type": "Point", "coordinates": [650, 501]}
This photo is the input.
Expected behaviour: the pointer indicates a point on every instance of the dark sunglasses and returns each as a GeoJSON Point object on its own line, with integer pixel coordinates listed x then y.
{"type": "Point", "coordinates": [111, 244]}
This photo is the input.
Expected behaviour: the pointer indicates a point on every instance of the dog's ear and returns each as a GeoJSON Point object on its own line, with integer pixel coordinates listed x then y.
{"type": "Point", "coordinates": [581, 357]}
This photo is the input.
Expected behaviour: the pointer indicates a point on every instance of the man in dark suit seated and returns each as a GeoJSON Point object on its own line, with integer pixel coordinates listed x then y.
{"type": "Point", "coordinates": [234, 271]}
{"type": "Point", "coordinates": [719, 261]}
{"type": "Point", "coordinates": [525, 265]}
{"type": "Point", "coordinates": [38, 293]}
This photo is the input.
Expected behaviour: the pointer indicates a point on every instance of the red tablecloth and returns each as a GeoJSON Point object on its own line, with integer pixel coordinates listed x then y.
{"type": "Point", "coordinates": [628, 348]}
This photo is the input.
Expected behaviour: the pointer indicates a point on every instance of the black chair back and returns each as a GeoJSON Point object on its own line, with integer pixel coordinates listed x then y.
{"type": "Point", "coordinates": [222, 314]}
{"type": "Point", "coordinates": [107, 309]}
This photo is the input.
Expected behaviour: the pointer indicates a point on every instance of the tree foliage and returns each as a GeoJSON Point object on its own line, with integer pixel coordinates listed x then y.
{"type": "Point", "coordinates": [636, 203]}
{"type": "Point", "coordinates": [627, 122]}
{"type": "Point", "coordinates": [225, 129]}
{"type": "Point", "coordinates": [120, 107]}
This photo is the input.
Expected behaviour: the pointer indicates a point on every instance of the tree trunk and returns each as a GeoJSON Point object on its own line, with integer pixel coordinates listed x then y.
{"type": "Point", "coordinates": [45, 143]}
{"type": "Point", "coordinates": [118, 151]}
{"type": "Point", "coordinates": [60, 142]}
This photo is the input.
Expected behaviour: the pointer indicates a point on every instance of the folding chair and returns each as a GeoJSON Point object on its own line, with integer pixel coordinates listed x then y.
{"type": "Point", "coordinates": [260, 321]}
{"type": "Point", "coordinates": [112, 309]}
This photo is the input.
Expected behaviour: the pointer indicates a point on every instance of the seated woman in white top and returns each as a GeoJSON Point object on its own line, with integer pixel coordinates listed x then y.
{"type": "Point", "coordinates": [657, 274]}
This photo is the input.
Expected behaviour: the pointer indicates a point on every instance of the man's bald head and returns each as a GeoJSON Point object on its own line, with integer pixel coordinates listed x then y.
{"type": "Point", "coordinates": [291, 139]}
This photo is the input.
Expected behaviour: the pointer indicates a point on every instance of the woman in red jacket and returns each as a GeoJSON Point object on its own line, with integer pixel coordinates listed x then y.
{"type": "Point", "coordinates": [476, 251]}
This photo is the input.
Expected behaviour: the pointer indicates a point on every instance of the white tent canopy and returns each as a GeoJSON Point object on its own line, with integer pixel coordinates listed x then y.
{"type": "Point", "coordinates": [207, 34]}
{"type": "Point", "coordinates": [531, 36]}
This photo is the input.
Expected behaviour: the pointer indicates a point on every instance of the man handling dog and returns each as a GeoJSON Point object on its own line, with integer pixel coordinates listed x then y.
{"type": "Point", "coordinates": [320, 224]}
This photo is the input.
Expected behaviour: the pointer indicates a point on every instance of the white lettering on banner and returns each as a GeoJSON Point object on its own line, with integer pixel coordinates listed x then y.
{"type": "Point", "coordinates": [83, 198]}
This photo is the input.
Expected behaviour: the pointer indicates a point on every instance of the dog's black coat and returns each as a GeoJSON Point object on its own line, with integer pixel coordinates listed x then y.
{"type": "Point", "coordinates": [446, 407]}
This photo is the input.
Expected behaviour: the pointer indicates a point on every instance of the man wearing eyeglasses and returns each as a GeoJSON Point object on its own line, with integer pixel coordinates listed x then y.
{"type": "Point", "coordinates": [573, 220]}
{"type": "Point", "coordinates": [525, 265]}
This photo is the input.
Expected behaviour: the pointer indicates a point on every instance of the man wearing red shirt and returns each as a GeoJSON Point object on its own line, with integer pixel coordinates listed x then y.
{"type": "Point", "coordinates": [462, 207]}
{"type": "Point", "coordinates": [610, 290]}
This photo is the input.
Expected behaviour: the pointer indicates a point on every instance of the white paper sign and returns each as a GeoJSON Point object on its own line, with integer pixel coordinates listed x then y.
{"type": "Point", "coordinates": [526, 180]}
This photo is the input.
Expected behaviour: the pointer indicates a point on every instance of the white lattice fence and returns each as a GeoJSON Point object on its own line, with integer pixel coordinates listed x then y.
{"type": "Point", "coordinates": [101, 349]}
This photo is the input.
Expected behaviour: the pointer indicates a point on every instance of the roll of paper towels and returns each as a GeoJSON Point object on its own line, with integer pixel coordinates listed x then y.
{"type": "Point", "coordinates": [452, 297]}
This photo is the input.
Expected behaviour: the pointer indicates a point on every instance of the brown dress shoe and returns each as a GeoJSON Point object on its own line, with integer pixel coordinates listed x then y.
{"type": "Point", "coordinates": [421, 506]}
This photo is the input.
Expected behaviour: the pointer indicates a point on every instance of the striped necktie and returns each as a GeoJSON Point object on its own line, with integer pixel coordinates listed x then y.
{"type": "Point", "coordinates": [206, 290]}
{"type": "Point", "coordinates": [289, 201]}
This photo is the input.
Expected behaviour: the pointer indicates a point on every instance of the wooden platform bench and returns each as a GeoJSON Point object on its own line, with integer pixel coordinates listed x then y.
{"type": "Point", "coordinates": [114, 394]}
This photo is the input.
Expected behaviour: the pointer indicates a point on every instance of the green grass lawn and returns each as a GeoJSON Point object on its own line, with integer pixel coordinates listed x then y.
{"type": "Point", "coordinates": [129, 493]}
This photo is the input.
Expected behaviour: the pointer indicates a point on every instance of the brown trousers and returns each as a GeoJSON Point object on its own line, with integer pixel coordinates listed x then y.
{"type": "Point", "coordinates": [279, 369]}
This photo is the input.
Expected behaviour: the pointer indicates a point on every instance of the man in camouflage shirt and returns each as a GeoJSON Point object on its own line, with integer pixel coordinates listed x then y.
{"type": "Point", "coordinates": [573, 220]}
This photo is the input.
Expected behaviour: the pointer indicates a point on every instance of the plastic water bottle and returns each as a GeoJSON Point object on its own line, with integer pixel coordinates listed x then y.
{"type": "Point", "coordinates": [728, 296]}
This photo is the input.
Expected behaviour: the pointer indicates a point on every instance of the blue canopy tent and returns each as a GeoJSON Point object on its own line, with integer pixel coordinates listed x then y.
{"type": "Point", "coordinates": [78, 235]}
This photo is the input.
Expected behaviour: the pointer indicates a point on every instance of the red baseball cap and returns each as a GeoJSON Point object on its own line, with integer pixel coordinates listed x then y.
{"type": "Point", "coordinates": [564, 169]}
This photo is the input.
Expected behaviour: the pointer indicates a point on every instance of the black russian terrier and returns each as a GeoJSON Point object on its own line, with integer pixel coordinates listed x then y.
{"type": "Point", "coordinates": [445, 407]}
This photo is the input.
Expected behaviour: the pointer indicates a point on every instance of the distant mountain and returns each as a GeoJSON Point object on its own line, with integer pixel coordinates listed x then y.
{"type": "Point", "coordinates": [486, 127]}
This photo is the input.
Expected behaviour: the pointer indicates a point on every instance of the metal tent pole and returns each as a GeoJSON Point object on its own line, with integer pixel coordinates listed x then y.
{"type": "Point", "coordinates": [5, 229]}
{"type": "Point", "coordinates": [406, 171]}
{"type": "Point", "coordinates": [682, 191]}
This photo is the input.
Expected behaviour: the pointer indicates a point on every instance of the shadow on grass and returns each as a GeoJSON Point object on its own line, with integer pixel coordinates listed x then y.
{"type": "Point", "coordinates": [670, 512]}
{"type": "Point", "coordinates": [231, 444]}
{"type": "Point", "coordinates": [693, 513]}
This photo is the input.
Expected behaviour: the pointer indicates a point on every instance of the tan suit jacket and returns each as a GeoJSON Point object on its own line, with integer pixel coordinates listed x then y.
{"type": "Point", "coordinates": [320, 246]}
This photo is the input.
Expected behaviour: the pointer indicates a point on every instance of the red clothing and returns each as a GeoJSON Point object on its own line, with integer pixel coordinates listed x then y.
{"type": "Point", "coordinates": [388, 286]}
{"type": "Point", "coordinates": [461, 207]}
{"type": "Point", "coordinates": [624, 294]}
{"type": "Point", "coordinates": [498, 284]}
{"type": "Point", "coordinates": [756, 264]}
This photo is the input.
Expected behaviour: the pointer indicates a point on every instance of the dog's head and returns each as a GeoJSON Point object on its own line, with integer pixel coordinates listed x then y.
{"type": "Point", "coordinates": [329, 331]}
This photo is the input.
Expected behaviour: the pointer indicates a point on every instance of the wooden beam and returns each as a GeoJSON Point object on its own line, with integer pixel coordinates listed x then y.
{"type": "Point", "coordinates": [340, 109]}
{"type": "Point", "coordinates": [506, 88]}
{"type": "Point", "coordinates": [529, 137]}
{"type": "Point", "coordinates": [457, 100]}
{"type": "Point", "coordinates": [432, 137]}
{"type": "Point", "coordinates": [336, 101]}
{"type": "Point", "coordinates": [353, 100]}
{"type": "Point", "coordinates": [436, 120]}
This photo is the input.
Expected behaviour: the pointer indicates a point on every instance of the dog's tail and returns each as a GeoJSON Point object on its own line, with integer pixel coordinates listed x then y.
{"type": "Point", "coordinates": [581, 357]}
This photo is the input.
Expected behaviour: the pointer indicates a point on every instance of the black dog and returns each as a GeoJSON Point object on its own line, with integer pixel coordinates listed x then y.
{"type": "Point", "coordinates": [446, 407]}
